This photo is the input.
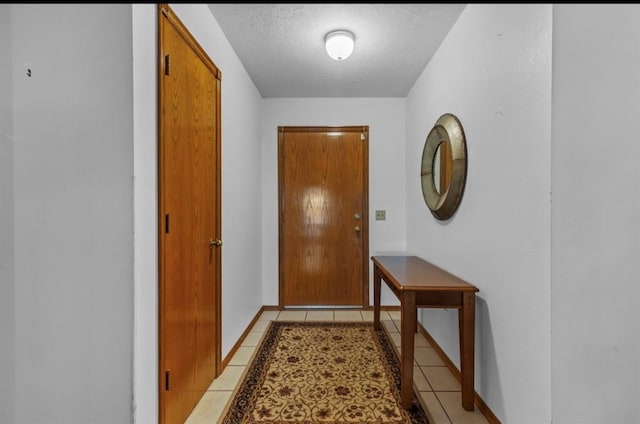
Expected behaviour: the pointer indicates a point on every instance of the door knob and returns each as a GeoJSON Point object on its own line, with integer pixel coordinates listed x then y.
{"type": "Point", "coordinates": [215, 243]}
{"type": "Point", "coordinates": [356, 228]}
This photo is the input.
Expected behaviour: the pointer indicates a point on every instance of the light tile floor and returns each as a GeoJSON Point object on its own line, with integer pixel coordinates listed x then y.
{"type": "Point", "coordinates": [437, 387]}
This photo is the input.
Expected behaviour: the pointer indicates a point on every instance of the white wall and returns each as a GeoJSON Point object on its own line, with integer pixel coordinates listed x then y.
{"type": "Point", "coordinates": [385, 118]}
{"type": "Point", "coordinates": [493, 71]}
{"type": "Point", "coordinates": [241, 173]}
{"type": "Point", "coordinates": [145, 191]}
{"type": "Point", "coordinates": [7, 323]}
{"type": "Point", "coordinates": [596, 214]}
{"type": "Point", "coordinates": [73, 199]}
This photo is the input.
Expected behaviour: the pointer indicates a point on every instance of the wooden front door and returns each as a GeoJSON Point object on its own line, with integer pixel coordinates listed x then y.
{"type": "Point", "coordinates": [189, 218]}
{"type": "Point", "coordinates": [323, 177]}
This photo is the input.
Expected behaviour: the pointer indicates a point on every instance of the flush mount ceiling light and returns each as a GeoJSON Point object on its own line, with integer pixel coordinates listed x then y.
{"type": "Point", "coordinates": [339, 44]}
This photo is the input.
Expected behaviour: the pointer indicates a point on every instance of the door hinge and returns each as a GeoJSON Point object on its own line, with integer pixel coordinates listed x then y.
{"type": "Point", "coordinates": [362, 136]}
{"type": "Point", "coordinates": [166, 65]}
{"type": "Point", "coordinates": [166, 223]}
{"type": "Point", "coordinates": [167, 375]}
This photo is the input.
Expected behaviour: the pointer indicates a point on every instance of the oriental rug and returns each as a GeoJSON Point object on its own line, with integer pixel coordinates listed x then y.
{"type": "Point", "coordinates": [322, 372]}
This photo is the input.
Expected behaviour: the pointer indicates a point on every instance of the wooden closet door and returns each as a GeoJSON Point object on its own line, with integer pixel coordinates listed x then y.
{"type": "Point", "coordinates": [189, 187]}
{"type": "Point", "coordinates": [323, 216]}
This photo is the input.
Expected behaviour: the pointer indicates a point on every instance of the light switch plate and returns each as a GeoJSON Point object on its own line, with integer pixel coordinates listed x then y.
{"type": "Point", "coordinates": [381, 215]}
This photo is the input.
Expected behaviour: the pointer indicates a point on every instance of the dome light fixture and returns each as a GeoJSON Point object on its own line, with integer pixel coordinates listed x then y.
{"type": "Point", "coordinates": [339, 44]}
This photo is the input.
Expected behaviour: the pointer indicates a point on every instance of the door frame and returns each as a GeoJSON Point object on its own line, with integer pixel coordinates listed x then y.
{"type": "Point", "coordinates": [364, 129]}
{"type": "Point", "coordinates": [164, 11]}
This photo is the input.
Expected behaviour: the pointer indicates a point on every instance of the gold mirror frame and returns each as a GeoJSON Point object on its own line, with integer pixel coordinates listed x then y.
{"type": "Point", "coordinates": [447, 129]}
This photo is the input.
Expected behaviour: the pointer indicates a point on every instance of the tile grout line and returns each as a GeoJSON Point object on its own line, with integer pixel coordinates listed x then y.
{"type": "Point", "coordinates": [443, 408]}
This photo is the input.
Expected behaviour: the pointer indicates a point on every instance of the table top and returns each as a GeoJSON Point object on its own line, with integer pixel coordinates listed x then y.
{"type": "Point", "coordinates": [416, 274]}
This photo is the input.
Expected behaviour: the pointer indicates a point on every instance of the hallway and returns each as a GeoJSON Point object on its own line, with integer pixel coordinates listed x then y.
{"type": "Point", "coordinates": [549, 228]}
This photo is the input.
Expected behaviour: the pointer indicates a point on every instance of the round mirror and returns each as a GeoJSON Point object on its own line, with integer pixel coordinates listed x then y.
{"type": "Point", "coordinates": [444, 167]}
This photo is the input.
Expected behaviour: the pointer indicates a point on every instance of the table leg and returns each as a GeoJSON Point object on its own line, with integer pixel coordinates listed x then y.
{"type": "Point", "coordinates": [466, 323]}
{"type": "Point", "coordinates": [377, 282]}
{"type": "Point", "coordinates": [407, 331]}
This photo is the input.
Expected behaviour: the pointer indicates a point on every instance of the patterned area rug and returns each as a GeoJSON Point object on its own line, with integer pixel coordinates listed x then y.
{"type": "Point", "coordinates": [322, 372]}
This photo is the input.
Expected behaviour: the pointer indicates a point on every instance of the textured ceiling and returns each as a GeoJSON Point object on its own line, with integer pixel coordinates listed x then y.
{"type": "Point", "coordinates": [282, 46]}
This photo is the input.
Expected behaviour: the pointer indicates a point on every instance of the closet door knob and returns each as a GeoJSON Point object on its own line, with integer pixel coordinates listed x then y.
{"type": "Point", "coordinates": [215, 243]}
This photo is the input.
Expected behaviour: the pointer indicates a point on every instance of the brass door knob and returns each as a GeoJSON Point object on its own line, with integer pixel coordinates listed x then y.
{"type": "Point", "coordinates": [215, 243]}
{"type": "Point", "coordinates": [356, 228]}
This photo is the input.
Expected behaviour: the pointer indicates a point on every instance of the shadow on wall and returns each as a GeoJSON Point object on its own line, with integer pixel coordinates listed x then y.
{"type": "Point", "coordinates": [486, 361]}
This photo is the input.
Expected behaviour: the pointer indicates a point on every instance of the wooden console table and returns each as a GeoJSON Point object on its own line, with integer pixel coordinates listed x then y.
{"type": "Point", "coordinates": [418, 283]}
